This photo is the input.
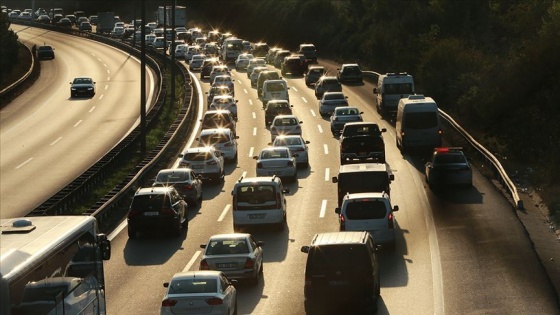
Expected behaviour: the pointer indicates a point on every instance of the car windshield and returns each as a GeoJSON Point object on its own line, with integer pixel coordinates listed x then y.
{"type": "Point", "coordinates": [227, 247]}
{"type": "Point", "coordinates": [170, 177]}
{"type": "Point", "coordinates": [366, 210]}
{"type": "Point", "coordinates": [82, 81]}
{"type": "Point", "coordinates": [198, 285]}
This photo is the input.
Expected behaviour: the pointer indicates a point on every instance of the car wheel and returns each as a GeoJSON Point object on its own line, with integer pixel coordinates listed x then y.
{"type": "Point", "coordinates": [132, 234]}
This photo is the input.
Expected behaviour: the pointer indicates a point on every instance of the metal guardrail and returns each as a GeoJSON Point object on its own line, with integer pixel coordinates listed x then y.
{"type": "Point", "coordinates": [504, 178]}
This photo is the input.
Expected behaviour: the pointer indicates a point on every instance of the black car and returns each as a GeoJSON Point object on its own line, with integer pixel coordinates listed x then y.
{"type": "Point", "coordinates": [275, 108]}
{"type": "Point", "coordinates": [293, 66]}
{"type": "Point", "coordinates": [313, 74]}
{"type": "Point", "coordinates": [64, 22]}
{"type": "Point", "coordinates": [362, 142]}
{"type": "Point", "coordinates": [207, 66]}
{"type": "Point", "coordinates": [349, 72]}
{"type": "Point", "coordinates": [341, 274]}
{"type": "Point", "coordinates": [83, 86]}
{"type": "Point", "coordinates": [45, 52]}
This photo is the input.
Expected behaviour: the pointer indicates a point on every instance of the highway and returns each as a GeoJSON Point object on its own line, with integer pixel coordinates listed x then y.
{"type": "Point", "coordinates": [49, 139]}
{"type": "Point", "coordinates": [458, 251]}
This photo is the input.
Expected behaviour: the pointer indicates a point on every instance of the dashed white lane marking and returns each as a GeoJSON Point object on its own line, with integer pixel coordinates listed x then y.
{"type": "Point", "coordinates": [108, 71]}
{"type": "Point", "coordinates": [22, 164]}
{"type": "Point", "coordinates": [251, 151]}
{"type": "Point", "coordinates": [304, 100]}
{"type": "Point", "coordinates": [313, 113]}
{"type": "Point", "coordinates": [106, 87]}
{"type": "Point", "coordinates": [224, 212]}
{"type": "Point", "coordinates": [254, 131]}
{"type": "Point", "coordinates": [254, 115]}
{"type": "Point", "coordinates": [245, 90]}
{"type": "Point", "coordinates": [323, 208]}
{"type": "Point", "coordinates": [250, 102]}
{"type": "Point", "coordinates": [294, 88]}
{"type": "Point", "coordinates": [193, 259]}
{"type": "Point", "coordinates": [100, 97]}
{"type": "Point", "coordinates": [327, 173]}
{"type": "Point", "coordinates": [326, 148]}
{"type": "Point", "coordinates": [92, 109]}
{"type": "Point", "coordinates": [55, 141]}
{"type": "Point", "coordinates": [78, 123]}
{"type": "Point", "coordinates": [320, 128]}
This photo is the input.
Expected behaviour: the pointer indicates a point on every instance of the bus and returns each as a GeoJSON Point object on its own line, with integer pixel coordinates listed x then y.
{"type": "Point", "coordinates": [52, 265]}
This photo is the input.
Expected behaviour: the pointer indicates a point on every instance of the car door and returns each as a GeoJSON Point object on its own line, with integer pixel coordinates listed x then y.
{"type": "Point", "coordinates": [228, 292]}
{"type": "Point", "coordinates": [257, 252]}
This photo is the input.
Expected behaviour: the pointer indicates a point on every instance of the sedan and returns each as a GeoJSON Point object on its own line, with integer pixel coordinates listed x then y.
{"type": "Point", "coordinates": [206, 161]}
{"type": "Point", "coordinates": [224, 102]}
{"type": "Point", "coordinates": [243, 61]}
{"type": "Point", "coordinates": [195, 63]}
{"type": "Point", "coordinates": [45, 52]}
{"type": "Point", "coordinates": [185, 181]}
{"type": "Point", "coordinates": [448, 166]}
{"type": "Point", "coordinates": [297, 145]}
{"type": "Point", "coordinates": [285, 125]}
{"type": "Point", "coordinates": [200, 292]}
{"type": "Point", "coordinates": [82, 86]}
{"type": "Point", "coordinates": [327, 84]}
{"type": "Point", "coordinates": [343, 115]}
{"type": "Point", "coordinates": [277, 161]}
{"type": "Point", "coordinates": [237, 255]}
{"type": "Point", "coordinates": [224, 80]}
{"type": "Point", "coordinates": [330, 101]}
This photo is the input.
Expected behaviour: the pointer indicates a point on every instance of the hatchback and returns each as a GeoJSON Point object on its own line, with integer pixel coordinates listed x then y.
{"type": "Point", "coordinates": [331, 100]}
{"type": "Point", "coordinates": [327, 84]}
{"type": "Point", "coordinates": [206, 161]}
{"type": "Point", "coordinates": [222, 139]}
{"type": "Point", "coordinates": [184, 180]}
{"type": "Point", "coordinates": [349, 72]}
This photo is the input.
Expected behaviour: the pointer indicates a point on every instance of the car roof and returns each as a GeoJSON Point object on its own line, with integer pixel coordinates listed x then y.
{"type": "Point", "coordinates": [200, 149]}
{"type": "Point", "coordinates": [279, 148]}
{"type": "Point", "coordinates": [175, 170]}
{"type": "Point", "coordinates": [215, 130]}
{"type": "Point", "coordinates": [360, 167]}
{"type": "Point", "coordinates": [377, 195]}
{"type": "Point", "coordinates": [196, 273]}
{"type": "Point", "coordinates": [286, 116]}
{"type": "Point", "coordinates": [229, 236]}
{"type": "Point", "coordinates": [152, 190]}
{"type": "Point", "coordinates": [217, 112]}
{"type": "Point", "coordinates": [335, 238]}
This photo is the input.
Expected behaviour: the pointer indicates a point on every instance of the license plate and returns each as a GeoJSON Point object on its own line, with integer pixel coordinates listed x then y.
{"type": "Point", "coordinates": [257, 216]}
{"type": "Point", "coordinates": [274, 173]}
{"type": "Point", "coordinates": [338, 283]}
{"type": "Point", "coordinates": [226, 265]}
{"type": "Point", "coordinates": [151, 214]}
{"type": "Point", "coordinates": [196, 166]}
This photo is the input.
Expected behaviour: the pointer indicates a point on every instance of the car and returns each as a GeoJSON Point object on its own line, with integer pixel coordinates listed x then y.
{"type": "Point", "coordinates": [64, 22]}
{"type": "Point", "coordinates": [224, 79]}
{"type": "Point", "coordinates": [285, 125]}
{"type": "Point", "coordinates": [297, 146]}
{"type": "Point", "coordinates": [309, 51]}
{"type": "Point", "coordinates": [149, 39]}
{"type": "Point", "coordinates": [274, 90]}
{"type": "Point", "coordinates": [341, 274]}
{"type": "Point", "coordinates": [363, 177]}
{"type": "Point", "coordinates": [44, 19]}
{"type": "Point", "coordinates": [277, 161]}
{"type": "Point", "coordinates": [260, 49]}
{"type": "Point", "coordinates": [327, 84]}
{"type": "Point", "coordinates": [274, 108]}
{"type": "Point", "coordinates": [313, 74]}
{"type": "Point", "coordinates": [25, 16]}
{"type": "Point", "coordinates": [269, 58]}
{"type": "Point", "coordinates": [362, 142]}
{"type": "Point", "coordinates": [293, 65]}
{"type": "Point", "coordinates": [238, 255]}
{"type": "Point", "coordinates": [223, 139]}
{"type": "Point", "coordinates": [118, 31]}
{"type": "Point", "coordinates": [82, 86]}
{"type": "Point", "coordinates": [217, 90]}
{"type": "Point", "coordinates": [180, 50]}
{"type": "Point", "coordinates": [224, 102]}
{"type": "Point", "coordinates": [45, 52]}
{"type": "Point", "coordinates": [263, 76]}
{"type": "Point", "coordinates": [57, 17]}
{"type": "Point", "coordinates": [220, 70]}
{"type": "Point", "coordinates": [220, 118]}
{"type": "Point", "coordinates": [195, 63]}
{"type": "Point", "coordinates": [242, 61]}
{"type": "Point", "coordinates": [448, 166]}
{"type": "Point", "coordinates": [370, 212]}
{"type": "Point", "coordinates": [253, 63]}
{"type": "Point", "coordinates": [157, 209]}
{"type": "Point", "coordinates": [206, 161]}
{"type": "Point", "coordinates": [342, 115]}
{"type": "Point", "coordinates": [200, 292]}
{"type": "Point", "coordinates": [349, 72]}
{"type": "Point", "coordinates": [207, 65]}
{"type": "Point", "coordinates": [129, 30]}
{"type": "Point", "coordinates": [85, 27]}
{"type": "Point", "coordinates": [191, 51]}
{"type": "Point", "coordinates": [331, 100]}
{"type": "Point", "coordinates": [184, 180]}
{"type": "Point", "coordinates": [160, 43]}
{"type": "Point", "coordinates": [72, 18]}
{"type": "Point", "coordinates": [255, 75]}
{"type": "Point", "coordinates": [93, 19]}
{"type": "Point", "coordinates": [211, 49]}
{"type": "Point", "coordinates": [279, 57]}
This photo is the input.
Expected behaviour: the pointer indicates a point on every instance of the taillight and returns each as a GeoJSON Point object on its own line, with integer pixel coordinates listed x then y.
{"type": "Point", "coordinates": [168, 211]}
{"type": "Point", "coordinates": [390, 221]}
{"type": "Point", "coordinates": [249, 264]}
{"type": "Point", "coordinates": [212, 162]}
{"type": "Point", "coordinates": [342, 223]}
{"type": "Point", "coordinates": [259, 165]}
{"type": "Point", "coordinates": [168, 302]}
{"type": "Point", "coordinates": [204, 265]}
{"type": "Point", "coordinates": [214, 301]}
{"type": "Point", "coordinates": [133, 213]}
{"type": "Point", "coordinates": [290, 163]}
{"type": "Point", "coordinates": [188, 187]}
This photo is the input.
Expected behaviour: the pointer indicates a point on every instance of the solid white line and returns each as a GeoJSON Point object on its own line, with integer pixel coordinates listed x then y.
{"type": "Point", "coordinates": [313, 113]}
{"type": "Point", "coordinates": [55, 141]}
{"type": "Point", "coordinates": [193, 259]}
{"type": "Point", "coordinates": [22, 164]}
{"type": "Point", "coordinates": [294, 88]}
{"type": "Point", "coordinates": [304, 100]}
{"type": "Point", "coordinates": [251, 151]}
{"type": "Point", "coordinates": [92, 109]}
{"type": "Point", "coordinates": [323, 208]}
{"type": "Point", "coordinates": [79, 122]}
{"type": "Point", "coordinates": [326, 149]}
{"type": "Point", "coordinates": [254, 115]}
{"type": "Point", "coordinates": [222, 216]}
{"type": "Point", "coordinates": [254, 131]}
{"type": "Point", "coordinates": [320, 128]}
{"type": "Point", "coordinates": [327, 174]}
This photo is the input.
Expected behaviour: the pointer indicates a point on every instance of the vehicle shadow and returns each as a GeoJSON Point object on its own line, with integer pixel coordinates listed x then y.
{"type": "Point", "coordinates": [393, 265]}
{"type": "Point", "coordinates": [154, 248]}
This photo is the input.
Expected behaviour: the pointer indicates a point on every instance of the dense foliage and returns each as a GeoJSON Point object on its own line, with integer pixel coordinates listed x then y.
{"type": "Point", "coordinates": [8, 45]}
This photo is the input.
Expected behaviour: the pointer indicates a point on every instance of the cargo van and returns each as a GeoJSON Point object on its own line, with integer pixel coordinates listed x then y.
{"type": "Point", "coordinates": [391, 87]}
{"type": "Point", "coordinates": [363, 177]}
{"type": "Point", "coordinates": [274, 90]}
{"type": "Point", "coordinates": [418, 124]}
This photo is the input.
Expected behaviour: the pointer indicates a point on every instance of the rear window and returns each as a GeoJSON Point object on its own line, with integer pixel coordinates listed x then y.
{"type": "Point", "coordinates": [214, 139]}
{"type": "Point", "coordinates": [172, 177]}
{"type": "Point", "coordinates": [285, 122]}
{"type": "Point", "coordinates": [287, 141]}
{"type": "Point", "coordinates": [328, 259]}
{"type": "Point", "coordinates": [150, 202]}
{"type": "Point", "coordinates": [197, 285]}
{"type": "Point", "coordinates": [365, 210]}
{"type": "Point", "coordinates": [258, 196]}
{"type": "Point", "coordinates": [449, 159]}
{"type": "Point", "coordinates": [227, 247]}
{"type": "Point", "coordinates": [420, 120]}
{"type": "Point", "coordinates": [197, 156]}
{"type": "Point", "coordinates": [275, 87]}
{"type": "Point", "coordinates": [354, 182]}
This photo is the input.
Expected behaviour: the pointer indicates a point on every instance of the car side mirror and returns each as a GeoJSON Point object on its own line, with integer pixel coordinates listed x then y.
{"type": "Point", "coordinates": [233, 282]}
{"type": "Point", "coordinates": [260, 243]}
{"type": "Point", "coordinates": [335, 179]}
{"type": "Point", "coordinates": [375, 91]}
{"type": "Point", "coordinates": [166, 284]}
{"type": "Point", "coordinates": [383, 129]}
{"type": "Point", "coordinates": [391, 177]}
{"type": "Point", "coordinates": [286, 190]}
{"type": "Point", "coordinates": [337, 210]}
{"type": "Point", "coordinates": [305, 249]}
{"type": "Point", "coordinates": [255, 157]}
{"type": "Point", "coordinates": [307, 142]}
{"type": "Point", "coordinates": [202, 245]}
{"type": "Point", "coordinates": [396, 208]}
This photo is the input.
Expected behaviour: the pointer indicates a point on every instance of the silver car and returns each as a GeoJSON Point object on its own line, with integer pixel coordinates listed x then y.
{"type": "Point", "coordinates": [277, 161]}
{"type": "Point", "coordinates": [185, 181]}
{"type": "Point", "coordinates": [285, 125]}
{"type": "Point", "coordinates": [331, 100]}
{"type": "Point", "coordinates": [342, 115]}
{"type": "Point", "coordinates": [199, 292]}
{"type": "Point", "coordinates": [206, 161]}
{"type": "Point", "coordinates": [297, 145]}
{"type": "Point", "coordinates": [237, 255]}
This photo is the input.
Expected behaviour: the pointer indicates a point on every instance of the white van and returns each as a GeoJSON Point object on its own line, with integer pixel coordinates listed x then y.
{"type": "Point", "coordinates": [259, 200]}
{"type": "Point", "coordinates": [418, 123]}
{"type": "Point", "coordinates": [391, 87]}
{"type": "Point", "coordinates": [274, 90]}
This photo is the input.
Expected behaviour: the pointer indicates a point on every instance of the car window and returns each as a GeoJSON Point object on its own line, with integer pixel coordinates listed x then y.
{"type": "Point", "coordinates": [350, 258]}
{"type": "Point", "coordinates": [365, 210]}
{"type": "Point", "coordinates": [150, 202]}
{"type": "Point", "coordinates": [449, 158]}
{"type": "Point", "coordinates": [172, 177]}
{"type": "Point", "coordinates": [198, 156]}
{"type": "Point", "coordinates": [198, 285]}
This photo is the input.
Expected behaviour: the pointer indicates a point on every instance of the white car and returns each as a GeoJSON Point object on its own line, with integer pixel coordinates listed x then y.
{"type": "Point", "coordinates": [224, 102]}
{"type": "Point", "coordinates": [219, 70]}
{"type": "Point", "coordinates": [200, 292]}
{"type": "Point", "coordinates": [117, 31]}
{"type": "Point", "coordinates": [297, 145]}
{"type": "Point", "coordinates": [255, 74]}
{"type": "Point", "coordinates": [342, 115]}
{"type": "Point", "coordinates": [223, 139]}
{"type": "Point", "coordinates": [224, 80]}
{"type": "Point", "coordinates": [253, 63]}
{"type": "Point", "coordinates": [237, 255]}
{"type": "Point", "coordinates": [370, 212]}
{"type": "Point", "coordinates": [206, 161]}
{"type": "Point", "coordinates": [195, 63]}
{"type": "Point", "coordinates": [285, 125]}
{"type": "Point", "coordinates": [331, 100]}
{"type": "Point", "coordinates": [191, 51]}
{"type": "Point", "coordinates": [277, 161]}
{"type": "Point", "coordinates": [243, 61]}
{"type": "Point", "coordinates": [180, 51]}
{"type": "Point", "coordinates": [159, 42]}
{"type": "Point", "coordinates": [149, 38]}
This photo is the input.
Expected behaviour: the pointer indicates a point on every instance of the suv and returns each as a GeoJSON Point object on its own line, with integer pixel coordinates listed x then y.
{"type": "Point", "coordinates": [363, 177]}
{"type": "Point", "coordinates": [341, 273]}
{"type": "Point", "coordinates": [448, 166]}
{"type": "Point", "coordinates": [293, 65]}
{"type": "Point", "coordinates": [157, 209]}
{"type": "Point", "coordinates": [259, 200]}
{"type": "Point", "coordinates": [362, 141]}
{"type": "Point", "coordinates": [222, 139]}
{"type": "Point", "coordinates": [309, 51]}
{"type": "Point", "coordinates": [274, 108]}
{"type": "Point", "coordinates": [274, 90]}
{"type": "Point", "coordinates": [266, 75]}
{"type": "Point", "coordinates": [369, 212]}
{"type": "Point", "coordinates": [349, 72]}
